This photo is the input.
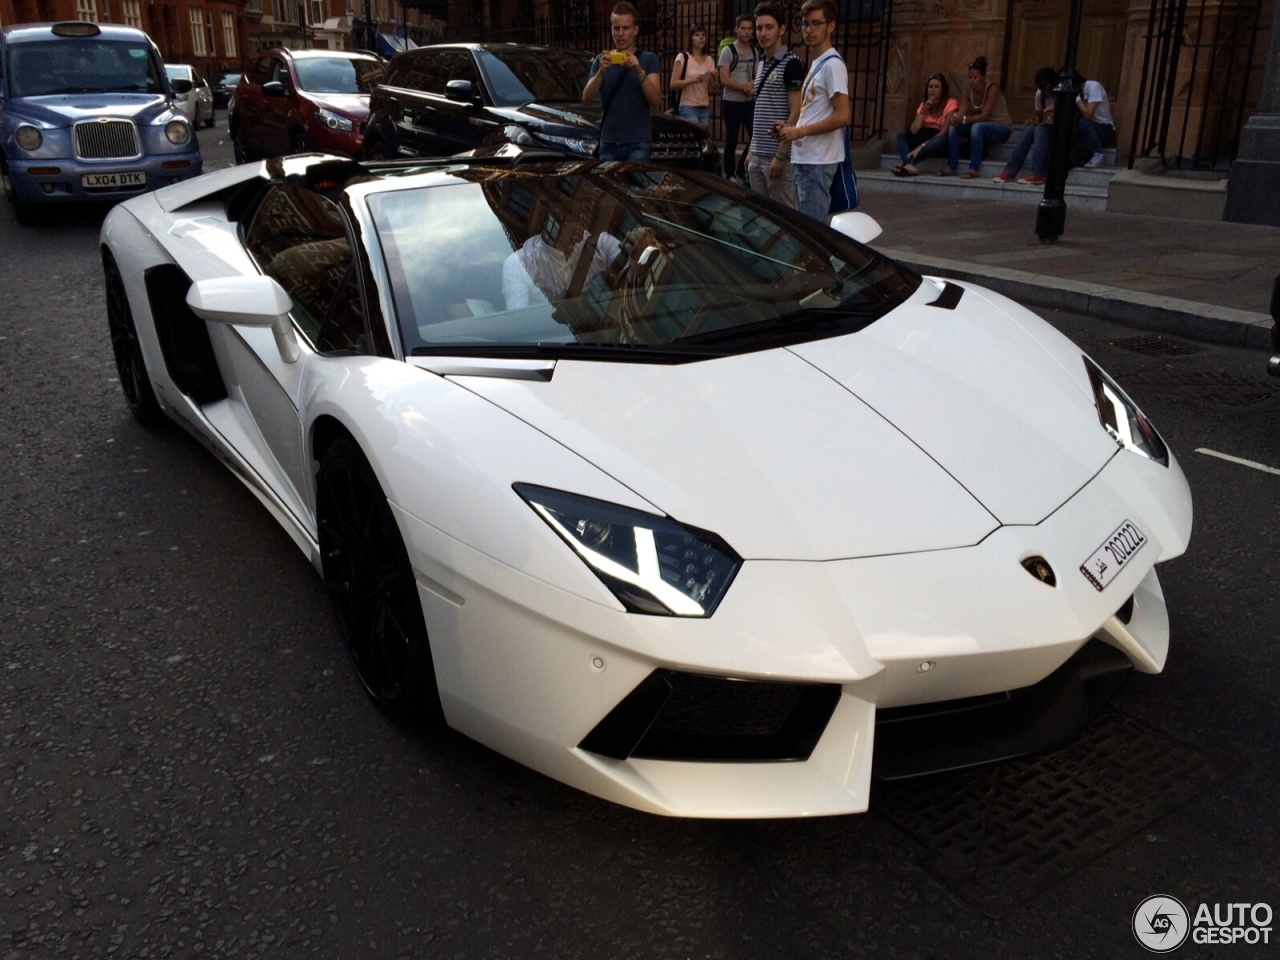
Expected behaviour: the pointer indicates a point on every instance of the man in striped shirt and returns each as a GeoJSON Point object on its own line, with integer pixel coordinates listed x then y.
{"type": "Point", "coordinates": [779, 78]}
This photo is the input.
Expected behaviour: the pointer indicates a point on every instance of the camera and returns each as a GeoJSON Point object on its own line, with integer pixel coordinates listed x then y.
{"type": "Point", "coordinates": [617, 58]}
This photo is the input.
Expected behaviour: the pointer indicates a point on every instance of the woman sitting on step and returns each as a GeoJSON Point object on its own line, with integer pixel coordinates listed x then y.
{"type": "Point", "coordinates": [928, 134]}
{"type": "Point", "coordinates": [983, 119]}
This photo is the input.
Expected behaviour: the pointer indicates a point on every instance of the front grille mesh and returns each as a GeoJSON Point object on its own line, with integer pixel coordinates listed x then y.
{"type": "Point", "coordinates": [107, 140]}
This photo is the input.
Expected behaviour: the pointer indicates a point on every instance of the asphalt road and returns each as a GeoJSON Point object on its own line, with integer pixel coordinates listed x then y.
{"type": "Point", "coordinates": [189, 768]}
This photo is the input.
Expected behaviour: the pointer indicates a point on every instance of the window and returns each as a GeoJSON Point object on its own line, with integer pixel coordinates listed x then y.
{"type": "Point", "coordinates": [133, 13]}
{"type": "Point", "coordinates": [197, 32]}
{"type": "Point", "coordinates": [299, 239]}
{"type": "Point", "coordinates": [317, 12]}
{"type": "Point", "coordinates": [229, 35]}
{"type": "Point", "coordinates": [87, 9]}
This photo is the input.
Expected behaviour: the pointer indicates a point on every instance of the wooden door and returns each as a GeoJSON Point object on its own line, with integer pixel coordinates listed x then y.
{"type": "Point", "coordinates": [1038, 38]}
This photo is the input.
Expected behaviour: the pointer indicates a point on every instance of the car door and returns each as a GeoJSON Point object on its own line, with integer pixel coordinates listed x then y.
{"type": "Point", "coordinates": [276, 122]}
{"type": "Point", "coordinates": [408, 99]}
{"type": "Point", "coordinates": [461, 123]}
{"type": "Point", "coordinates": [301, 240]}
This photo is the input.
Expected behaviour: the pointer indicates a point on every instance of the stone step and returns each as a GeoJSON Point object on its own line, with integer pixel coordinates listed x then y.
{"type": "Point", "coordinates": [1078, 195]}
{"type": "Point", "coordinates": [992, 166]}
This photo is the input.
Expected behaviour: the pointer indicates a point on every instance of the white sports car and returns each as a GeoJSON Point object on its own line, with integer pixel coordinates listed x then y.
{"type": "Point", "coordinates": [649, 484]}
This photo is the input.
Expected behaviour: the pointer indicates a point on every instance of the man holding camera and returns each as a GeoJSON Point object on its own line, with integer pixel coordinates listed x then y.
{"type": "Point", "coordinates": [628, 83]}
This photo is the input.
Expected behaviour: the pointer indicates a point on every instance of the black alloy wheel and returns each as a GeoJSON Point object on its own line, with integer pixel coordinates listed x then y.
{"type": "Point", "coordinates": [240, 145]}
{"type": "Point", "coordinates": [132, 368]}
{"type": "Point", "coordinates": [372, 587]}
{"type": "Point", "coordinates": [298, 142]}
{"type": "Point", "coordinates": [377, 150]}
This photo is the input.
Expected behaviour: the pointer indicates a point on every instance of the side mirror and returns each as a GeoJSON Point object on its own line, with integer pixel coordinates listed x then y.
{"type": "Point", "coordinates": [273, 89]}
{"type": "Point", "coordinates": [249, 302]}
{"type": "Point", "coordinates": [181, 85]}
{"type": "Point", "coordinates": [461, 90]}
{"type": "Point", "coordinates": [858, 226]}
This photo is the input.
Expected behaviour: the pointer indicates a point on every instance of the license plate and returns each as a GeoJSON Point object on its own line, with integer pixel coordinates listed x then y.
{"type": "Point", "coordinates": [128, 178]}
{"type": "Point", "coordinates": [1109, 559]}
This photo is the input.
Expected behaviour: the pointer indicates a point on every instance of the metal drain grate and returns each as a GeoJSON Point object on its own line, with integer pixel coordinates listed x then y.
{"type": "Point", "coordinates": [999, 836]}
{"type": "Point", "coordinates": [1154, 345]}
{"type": "Point", "coordinates": [1228, 389]}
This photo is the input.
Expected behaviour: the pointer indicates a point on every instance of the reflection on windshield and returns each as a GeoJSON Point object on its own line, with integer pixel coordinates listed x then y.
{"type": "Point", "coordinates": [80, 65]}
{"type": "Point", "coordinates": [517, 76]}
{"type": "Point", "coordinates": [338, 74]}
{"type": "Point", "coordinates": [575, 255]}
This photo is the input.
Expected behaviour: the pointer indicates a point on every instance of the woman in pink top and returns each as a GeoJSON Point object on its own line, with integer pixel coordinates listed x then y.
{"type": "Point", "coordinates": [694, 76]}
{"type": "Point", "coordinates": [928, 134]}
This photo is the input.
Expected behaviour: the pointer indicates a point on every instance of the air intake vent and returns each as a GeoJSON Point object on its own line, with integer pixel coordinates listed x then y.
{"type": "Point", "coordinates": [107, 140]}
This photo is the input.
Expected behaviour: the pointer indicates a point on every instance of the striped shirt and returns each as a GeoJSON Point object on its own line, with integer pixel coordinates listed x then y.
{"type": "Point", "coordinates": [775, 78]}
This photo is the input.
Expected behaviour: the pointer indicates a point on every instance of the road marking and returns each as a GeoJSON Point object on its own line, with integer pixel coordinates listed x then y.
{"type": "Point", "coordinates": [1245, 463]}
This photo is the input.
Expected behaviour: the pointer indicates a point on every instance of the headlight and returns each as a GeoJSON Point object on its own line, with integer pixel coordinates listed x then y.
{"type": "Point", "coordinates": [651, 564]}
{"type": "Point", "coordinates": [28, 138]}
{"type": "Point", "coordinates": [334, 121]}
{"type": "Point", "coordinates": [576, 144]}
{"type": "Point", "coordinates": [1122, 419]}
{"type": "Point", "coordinates": [177, 132]}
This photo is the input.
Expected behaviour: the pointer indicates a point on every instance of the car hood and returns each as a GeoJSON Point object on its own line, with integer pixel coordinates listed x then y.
{"type": "Point", "coordinates": [925, 431]}
{"type": "Point", "coordinates": [348, 104]}
{"type": "Point", "coordinates": [65, 109]}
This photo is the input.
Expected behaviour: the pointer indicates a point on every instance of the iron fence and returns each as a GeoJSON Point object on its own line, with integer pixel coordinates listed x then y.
{"type": "Point", "coordinates": [1198, 81]}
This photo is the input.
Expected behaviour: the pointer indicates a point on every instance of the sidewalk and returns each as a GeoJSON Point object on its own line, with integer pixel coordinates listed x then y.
{"type": "Point", "coordinates": [1206, 280]}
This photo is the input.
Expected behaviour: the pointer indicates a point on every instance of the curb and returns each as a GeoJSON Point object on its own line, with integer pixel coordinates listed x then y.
{"type": "Point", "coordinates": [1196, 321]}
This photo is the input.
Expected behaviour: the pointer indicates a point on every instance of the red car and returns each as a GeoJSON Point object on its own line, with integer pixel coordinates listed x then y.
{"type": "Point", "coordinates": [294, 101]}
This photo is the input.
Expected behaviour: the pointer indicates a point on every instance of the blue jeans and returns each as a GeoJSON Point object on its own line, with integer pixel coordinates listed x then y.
{"type": "Point", "coordinates": [698, 115]}
{"type": "Point", "coordinates": [738, 115]}
{"type": "Point", "coordinates": [634, 152]}
{"type": "Point", "coordinates": [813, 188]}
{"type": "Point", "coordinates": [1035, 141]}
{"type": "Point", "coordinates": [979, 134]}
{"type": "Point", "coordinates": [934, 144]}
{"type": "Point", "coordinates": [1095, 136]}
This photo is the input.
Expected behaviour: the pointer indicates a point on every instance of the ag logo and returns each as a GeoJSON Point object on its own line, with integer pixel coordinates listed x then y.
{"type": "Point", "coordinates": [1161, 923]}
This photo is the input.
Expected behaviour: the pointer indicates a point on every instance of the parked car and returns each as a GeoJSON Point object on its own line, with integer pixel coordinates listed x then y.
{"type": "Point", "coordinates": [87, 114]}
{"type": "Point", "coordinates": [293, 101]}
{"type": "Point", "coordinates": [448, 98]}
{"type": "Point", "coordinates": [191, 94]}
{"type": "Point", "coordinates": [223, 88]}
{"type": "Point", "coordinates": [651, 484]}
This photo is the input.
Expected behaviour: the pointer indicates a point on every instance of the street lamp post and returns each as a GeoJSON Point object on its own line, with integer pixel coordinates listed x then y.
{"type": "Point", "coordinates": [1051, 216]}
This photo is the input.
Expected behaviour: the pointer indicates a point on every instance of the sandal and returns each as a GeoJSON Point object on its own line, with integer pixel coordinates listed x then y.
{"type": "Point", "coordinates": [909, 171]}
{"type": "Point", "coordinates": [898, 171]}
{"type": "Point", "coordinates": [969, 175]}
{"type": "Point", "coordinates": [946, 172]}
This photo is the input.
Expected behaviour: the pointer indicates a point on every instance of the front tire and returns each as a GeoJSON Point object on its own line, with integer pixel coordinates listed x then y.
{"type": "Point", "coordinates": [240, 145]}
{"type": "Point", "coordinates": [298, 142]}
{"type": "Point", "coordinates": [372, 587]}
{"type": "Point", "coordinates": [130, 365]}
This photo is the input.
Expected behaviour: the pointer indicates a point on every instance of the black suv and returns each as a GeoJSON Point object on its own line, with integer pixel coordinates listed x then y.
{"type": "Point", "coordinates": [440, 100]}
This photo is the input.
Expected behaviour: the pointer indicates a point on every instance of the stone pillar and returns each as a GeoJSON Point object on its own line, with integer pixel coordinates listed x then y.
{"type": "Point", "coordinates": [1253, 187]}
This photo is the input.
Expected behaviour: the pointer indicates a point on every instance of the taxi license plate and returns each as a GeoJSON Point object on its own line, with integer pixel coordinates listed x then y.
{"type": "Point", "coordinates": [1109, 559]}
{"type": "Point", "coordinates": [129, 178]}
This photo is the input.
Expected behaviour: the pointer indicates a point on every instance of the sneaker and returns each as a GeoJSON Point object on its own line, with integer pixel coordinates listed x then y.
{"type": "Point", "coordinates": [1033, 178]}
{"type": "Point", "coordinates": [1095, 160]}
{"type": "Point", "coordinates": [1004, 177]}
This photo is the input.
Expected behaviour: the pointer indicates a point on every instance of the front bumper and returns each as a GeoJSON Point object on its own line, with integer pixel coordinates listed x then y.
{"type": "Point", "coordinates": [536, 673]}
{"type": "Point", "coordinates": [59, 180]}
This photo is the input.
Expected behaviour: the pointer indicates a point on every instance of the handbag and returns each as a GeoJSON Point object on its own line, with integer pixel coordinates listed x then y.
{"type": "Point", "coordinates": [673, 98]}
{"type": "Point", "coordinates": [844, 185]}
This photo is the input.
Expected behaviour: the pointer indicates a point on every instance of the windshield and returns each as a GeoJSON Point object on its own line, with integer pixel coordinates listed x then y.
{"type": "Point", "coordinates": [81, 65]}
{"type": "Point", "coordinates": [517, 76]}
{"type": "Point", "coordinates": [549, 259]}
{"type": "Point", "coordinates": [338, 74]}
